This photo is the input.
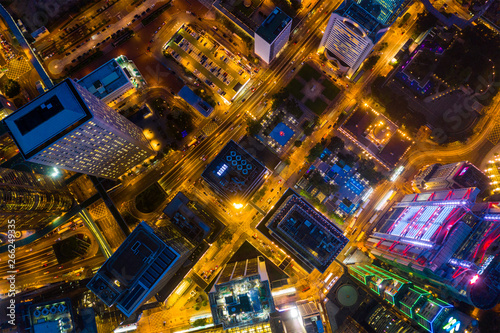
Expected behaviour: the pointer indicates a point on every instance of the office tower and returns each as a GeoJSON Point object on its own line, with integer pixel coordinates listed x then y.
{"type": "Point", "coordinates": [69, 128]}
{"type": "Point", "coordinates": [305, 232]}
{"type": "Point", "coordinates": [241, 296]}
{"type": "Point", "coordinates": [445, 239]}
{"type": "Point", "coordinates": [272, 35]}
{"type": "Point", "coordinates": [355, 27]}
{"type": "Point", "coordinates": [414, 303]}
{"type": "Point", "coordinates": [28, 198]}
{"type": "Point", "coordinates": [140, 268]}
{"type": "Point", "coordinates": [451, 176]}
{"type": "Point", "coordinates": [115, 80]}
{"type": "Point", "coordinates": [383, 320]}
{"type": "Point", "coordinates": [234, 174]}
{"type": "Point", "coordinates": [185, 215]}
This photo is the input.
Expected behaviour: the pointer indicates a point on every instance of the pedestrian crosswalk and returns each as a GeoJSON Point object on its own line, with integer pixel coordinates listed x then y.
{"type": "Point", "coordinates": [16, 68]}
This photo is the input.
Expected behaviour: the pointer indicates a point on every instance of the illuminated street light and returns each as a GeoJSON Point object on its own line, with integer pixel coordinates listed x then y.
{"type": "Point", "coordinates": [55, 173]}
{"type": "Point", "coordinates": [237, 205]}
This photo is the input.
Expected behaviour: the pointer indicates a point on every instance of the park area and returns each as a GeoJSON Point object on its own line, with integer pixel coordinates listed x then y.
{"type": "Point", "coordinates": [312, 89]}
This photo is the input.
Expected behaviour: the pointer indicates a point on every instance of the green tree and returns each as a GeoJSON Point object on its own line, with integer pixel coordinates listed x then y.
{"type": "Point", "coordinates": [336, 143]}
{"type": "Point", "coordinates": [371, 62]}
{"type": "Point", "coordinates": [253, 127]}
{"type": "Point", "coordinates": [425, 21]}
{"type": "Point", "coordinates": [12, 88]}
{"type": "Point", "coordinates": [297, 143]}
{"type": "Point", "coordinates": [315, 152]}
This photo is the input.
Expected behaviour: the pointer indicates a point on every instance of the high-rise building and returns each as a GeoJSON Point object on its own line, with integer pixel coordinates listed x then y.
{"type": "Point", "coordinates": [272, 35]}
{"type": "Point", "coordinates": [185, 215]}
{"type": "Point", "coordinates": [69, 128]}
{"type": "Point", "coordinates": [234, 174]}
{"type": "Point", "coordinates": [355, 27]}
{"type": "Point", "coordinates": [311, 237]}
{"type": "Point", "coordinates": [444, 239]}
{"type": "Point", "coordinates": [114, 80]}
{"type": "Point", "coordinates": [241, 296]}
{"type": "Point", "coordinates": [451, 176]}
{"type": "Point", "coordinates": [28, 197]}
{"type": "Point", "coordinates": [414, 303]}
{"type": "Point", "coordinates": [140, 268]}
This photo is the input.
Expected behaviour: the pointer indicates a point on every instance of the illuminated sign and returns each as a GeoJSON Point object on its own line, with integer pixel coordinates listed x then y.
{"type": "Point", "coordinates": [452, 326]}
{"type": "Point", "coordinates": [474, 279]}
{"type": "Point", "coordinates": [464, 170]}
{"type": "Point", "coordinates": [486, 263]}
{"type": "Point", "coordinates": [222, 169]}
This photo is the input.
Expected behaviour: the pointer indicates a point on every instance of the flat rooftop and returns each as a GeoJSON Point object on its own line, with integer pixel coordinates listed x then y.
{"type": "Point", "coordinates": [298, 226]}
{"type": "Point", "coordinates": [47, 118]}
{"type": "Point", "coordinates": [133, 270]}
{"type": "Point", "coordinates": [195, 101]}
{"type": "Point", "coordinates": [242, 295]}
{"type": "Point", "coordinates": [273, 25]}
{"type": "Point", "coordinates": [105, 79]}
{"type": "Point", "coordinates": [282, 134]}
{"type": "Point", "coordinates": [234, 173]}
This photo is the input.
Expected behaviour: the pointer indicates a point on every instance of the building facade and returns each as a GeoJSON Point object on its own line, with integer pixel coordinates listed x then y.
{"type": "Point", "coordinates": [451, 176]}
{"type": "Point", "coordinates": [272, 35]}
{"type": "Point", "coordinates": [355, 27]}
{"type": "Point", "coordinates": [415, 304]}
{"type": "Point", "coordinates": [70, 128]}
{"type": "Point", "coordinates": [444, 239]}
{"type": "Point", "coordinates": [27, 197]}
{"type": "Point", "coordinates": [141, 267]}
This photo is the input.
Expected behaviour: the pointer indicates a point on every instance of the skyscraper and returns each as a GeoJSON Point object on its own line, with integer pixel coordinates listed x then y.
{"type": "Point", "coordinates": [355, 27]}
{"type": "Point", "coordinates": [27, 197]}
{"type": "Point", "coordinates": [241, 296]}
{"type": "Point", "coordinates": [69, 128]}
{"type": "Point", "coordinates": [304, 231]}
{"type": "Point", "coordinates": [140, 268]}
{"type": "Point", "coordinates": [451, 176]}
{"type": "Point", "coordinates": [272, 35]}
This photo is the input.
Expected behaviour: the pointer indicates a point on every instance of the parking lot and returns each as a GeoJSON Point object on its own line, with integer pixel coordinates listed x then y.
{"type": "Point", "coordinates": [212, 64]}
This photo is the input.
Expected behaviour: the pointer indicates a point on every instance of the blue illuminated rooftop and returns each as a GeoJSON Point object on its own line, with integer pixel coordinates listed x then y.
{"type": "Point", "coordinates": [372, 15]}
{"type": "Point", "coordinates": [282, 134]}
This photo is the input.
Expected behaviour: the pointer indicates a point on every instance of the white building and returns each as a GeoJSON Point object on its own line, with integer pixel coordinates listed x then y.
{"type": "Point", "coordinates": [114, 80]}
{"type": "Point", "coordinates": [69, 128]}
{"type": "Point", "coordinates": [272, 35]}
{"type": "Point", "coordinates": [346, 43]}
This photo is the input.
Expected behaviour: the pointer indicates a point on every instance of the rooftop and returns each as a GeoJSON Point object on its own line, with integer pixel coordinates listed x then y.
{"type": "Point", "coordinates": [134, 269]}
{"type": "Point", "coordinates": [242, 295]}
{"type": "Point", "coordinates": [47, 118]}
{"type": "Point", "coordinates": [376, 134]}
{"type": "Point", "coordinates": [372, 15]}
{"type": "Point", "coordinates": [281, 134]}
{"type": "Point", "coordinates": [234, 173]}
{"type": "Point", "coordinates": [301, 228]}
{"type": "Point", "coordinates": [105, 79]}
{"type": "Point", "coordinates": [195, 101]}
{"type": "Point", "coordinates": [185, 219]}
{"type": "Point", "coordinates": [273, 25]}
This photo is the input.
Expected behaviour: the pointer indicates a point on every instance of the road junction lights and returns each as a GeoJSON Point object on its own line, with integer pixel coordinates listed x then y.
{"type": "Point", "coordinates": [237, 205]}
